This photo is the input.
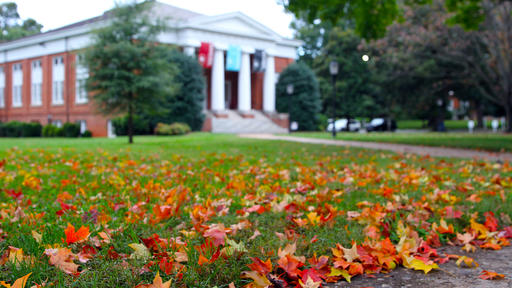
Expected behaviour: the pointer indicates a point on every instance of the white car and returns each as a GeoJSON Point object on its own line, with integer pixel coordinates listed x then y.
{"type": "Point", "coordinates": [341, 125]}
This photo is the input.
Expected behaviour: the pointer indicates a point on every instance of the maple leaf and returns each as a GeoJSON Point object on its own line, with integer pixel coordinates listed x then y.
{"type": "Point", "coordinates": [141, 252]}
{"type": "Point", "coordinates": [260, 280]}
{"type": "Point", "coordinates": [218, 233]}
{"type": "Point", "coordinates": [19, 283]}
{"type": "Point", "coordinates": [62, 258]}
{"type": "Point", "coordinates": [75, 237]}
{"type": "Point", "coordinates": [426, 267]}
{"type": "Point", "coordinates": [338, 272]}
{"type": "Point", "coordinates": [38, 237]}
{"type": "Point", "coordinates": [290, 265]}
{"type": "Point", "coordinates": [289, 249]}
{"type": "Point", "coordinates": [310, 283]}
{"type": "Point", "coordinates": [350, 254]}
{"type": "Point", "coordinates": [490, 221]}
{"type": "Point", "coordinates": [470, 262]}
{"type": "Point", "coordinates": [260, 266]}
{"type": "Point", "coordinates": [157, 283]}
{"type": "Point", "coordinates": [490, 275]}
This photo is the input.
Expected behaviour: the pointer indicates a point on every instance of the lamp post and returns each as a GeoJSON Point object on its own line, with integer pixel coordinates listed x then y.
{"type": "Point", "coordinates": [289, 91]}
{"type": "Point", "coordinates": [333, 69]}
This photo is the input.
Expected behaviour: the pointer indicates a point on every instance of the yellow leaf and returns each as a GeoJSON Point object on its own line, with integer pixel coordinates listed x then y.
{"type": "Point", "coordinates": [350, 254]}
{"type": "Point", "coordinates": [141, 252]}
{"type": "Point", "coordinates": [260, 281]}
{"type": "Point", "coordinates": [37, 236]}
{"type": "Point", "coordinates": [19, 283]}
{"type": "Point", "coordinates": [339, 272]}
{"type": "Point", "coordinates": [425, 267]}
{"type": "Point", "coordinates": [470, 262]}
{"type": "Point", "coordinates": [313, 218]}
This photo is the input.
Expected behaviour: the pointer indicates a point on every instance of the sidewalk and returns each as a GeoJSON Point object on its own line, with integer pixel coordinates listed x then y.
{"type": "Point", "coordinates": [398, 148]}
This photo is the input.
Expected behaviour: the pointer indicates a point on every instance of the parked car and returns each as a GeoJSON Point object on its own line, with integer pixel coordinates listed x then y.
{"type": "Point", "coordinates": [341, 125]}
{"type": "Point", "coordinates": [381, 124]}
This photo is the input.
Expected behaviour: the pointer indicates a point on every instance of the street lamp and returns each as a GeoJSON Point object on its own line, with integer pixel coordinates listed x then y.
{"type": "Point", "coordinates": [289, 89]}
{"type": "Point", "coordinates": [365, 58]}
{"type": "Point", "coordinates": [333, 69]}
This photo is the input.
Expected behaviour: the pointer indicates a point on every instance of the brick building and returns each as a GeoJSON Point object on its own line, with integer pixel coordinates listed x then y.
{"type": "Point", "coordinates": [41, 78]}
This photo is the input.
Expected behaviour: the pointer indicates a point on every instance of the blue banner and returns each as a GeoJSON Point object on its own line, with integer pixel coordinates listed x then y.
{"type": "Point", "coordinates": [234, 58]}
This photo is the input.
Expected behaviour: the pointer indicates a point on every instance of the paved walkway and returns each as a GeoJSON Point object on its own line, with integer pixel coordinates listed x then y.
{"type": "Point", "coordinates": [398, 148]}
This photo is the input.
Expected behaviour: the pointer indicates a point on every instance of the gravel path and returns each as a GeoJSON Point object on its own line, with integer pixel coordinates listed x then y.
{"type": "Point", "coordinates": [451, 276]}
{"type": "Point", "coordinates": [398, 148]}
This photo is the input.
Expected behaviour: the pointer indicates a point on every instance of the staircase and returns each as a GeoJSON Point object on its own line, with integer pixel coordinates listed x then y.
{"type": "Point", "coordinates": [235, 123]}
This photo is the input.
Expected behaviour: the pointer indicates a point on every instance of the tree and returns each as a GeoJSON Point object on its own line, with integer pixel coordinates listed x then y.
{"type": "Point", "coordinates": [127, 70]}
{"type": "Point", "coordinates": [356, 92]}
{"type": "Point", "coordinates": [186, 105]}
{"type": "Point", "coordinates": [12, 27]}
{"type": "Point", "coordinates": [303, 104]}
{"type": "Point", "coordinates": [371, 17]}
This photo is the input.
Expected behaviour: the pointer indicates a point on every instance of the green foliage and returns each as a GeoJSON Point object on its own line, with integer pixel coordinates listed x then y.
{"type": "Point", "coordinates": [357, 94]}
{"type": "Point", "coordinates": [140, 125]}
{"type": "Point", "coordinates": [52, 131]}
{"type": "Point", "coordinates": [20, 129]}
{"type": "Point", "coordinates": [186, 105]}
{"type": "Point", "coordinates": [86, 134]}
{"type": "Point", "coordinates": [127, 70]}
{"type": "Point", "coordinates": [12, 27]}
{"type": "Point", "coordinates": [372, 17]}
{"type": "Point", "coordinates": [172, 129]}
{"type": "Point", "coordinates": [303, 104]}
{"type": "Point", "coordinates": [71, 130]}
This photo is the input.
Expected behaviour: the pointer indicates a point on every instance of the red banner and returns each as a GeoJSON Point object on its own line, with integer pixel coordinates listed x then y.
{"type": "Point", "coordinates": [206, 55]}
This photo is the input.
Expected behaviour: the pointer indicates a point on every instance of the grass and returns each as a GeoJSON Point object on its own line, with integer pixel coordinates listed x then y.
{"type": "Point", "coordinates": [481, 141]}
{"type": "Point", "coordinates": [420, 124]}
{"type": "Point", "coordinates": [208, 179]}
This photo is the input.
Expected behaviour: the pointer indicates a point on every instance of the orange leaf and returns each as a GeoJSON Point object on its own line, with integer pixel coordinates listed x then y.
{"type": "Point", "coordinates": [290, 265]}
{"type": "Point", "coordinates": [74, 237]}
{"type": "Point", "coordinates": [490, 275]}
{"type": "Point", "coordinates": [62, 258]}
{"type": "Point", "coordinates": [157, 283]}
{"type": "Point", "coordinates": [19, 283]}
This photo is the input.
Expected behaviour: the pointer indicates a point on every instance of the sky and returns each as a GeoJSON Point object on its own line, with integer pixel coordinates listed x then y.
{"type": "Point", "coordinates": [56, 13]}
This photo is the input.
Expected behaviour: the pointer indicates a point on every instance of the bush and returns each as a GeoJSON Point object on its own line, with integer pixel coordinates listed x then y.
{"type": "Point", "coordinates": [52, 131]}
{"type": "Point", "coordinates": [71, 130]}
{"type": "Point", "coordinates": [304, 103]}
{"type": "Point", "coordinates": [32, 129]}
{"type": "Point", "coordinates": [20, 129]}
{"type": "Point", "coordinates": [186, 104]}
{"type": "Point", "coordinates": [87, 134]}
{"type": "Point", "coordinates": [140, 126]}
{"type": "Point", "coordinates": [173, 129]}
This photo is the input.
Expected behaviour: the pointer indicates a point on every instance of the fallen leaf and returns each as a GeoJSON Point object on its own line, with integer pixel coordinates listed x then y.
{"type": "Point", "coordinates": [141, 252]}
{"type": "Point", "coordinates": [19, 283]}
{"type": "Point", "coordinates": [490, 275]}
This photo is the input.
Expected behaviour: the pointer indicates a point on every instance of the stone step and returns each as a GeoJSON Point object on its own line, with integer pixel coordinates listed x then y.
{"type": "Point", "coordinates": [234, 123]}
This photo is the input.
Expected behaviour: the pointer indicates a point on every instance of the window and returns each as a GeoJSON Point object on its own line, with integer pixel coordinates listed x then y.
{"type": "Point", "coordinates": [83, 125]}
{"type": "Point", "coordinates": [58, 81]}
{"type": "Point", "coordinates": [57, 123]}
{"type": "Point", "coordinates": [17, 85]}
{"type": "Point", "coordinates": [37, 84]}
{"type": "Point", "coordinates": [81, 77]}
{"type": "Point", "coordinates": [2, 87]}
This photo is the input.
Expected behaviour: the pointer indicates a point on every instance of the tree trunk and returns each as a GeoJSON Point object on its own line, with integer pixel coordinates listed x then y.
{"type": "Point", "coordinates": [508, 113]}
{"type": "Point", "coordinates": [479, 115]}
{"type": "Point", "coordinates": [130, 124]}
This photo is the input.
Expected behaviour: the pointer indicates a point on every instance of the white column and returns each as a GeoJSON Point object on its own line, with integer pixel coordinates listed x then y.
{"type": "Point", "coordinates": [269, 86]}
{"type": "Point", "coordinates": [244, 84]}
{"type": "Point", "coordinates": [218, 101]}
{"type": "Point", "coordinates": [189, 50]}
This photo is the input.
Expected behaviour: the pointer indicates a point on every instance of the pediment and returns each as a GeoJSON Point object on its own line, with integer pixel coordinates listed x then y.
{"type": "Point", "coordinates": [235, 23]}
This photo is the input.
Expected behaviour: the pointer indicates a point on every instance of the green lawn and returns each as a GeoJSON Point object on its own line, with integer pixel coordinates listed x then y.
{"type": "Point", "coordinates": [175, 195]}
{"type": "Point", "coordinates": [419, 124]}
{"type": "Point", "coordinates": [482, 141]}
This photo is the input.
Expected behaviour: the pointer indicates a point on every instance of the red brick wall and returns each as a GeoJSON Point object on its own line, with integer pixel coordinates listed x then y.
{"type": "Point", "coordinates": [282, 63]}
{"type": "Point", "coordinates": [69, 111]}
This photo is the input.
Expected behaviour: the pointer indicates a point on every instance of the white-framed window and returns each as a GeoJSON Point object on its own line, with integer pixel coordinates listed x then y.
{"type": "Point", "coordinates": [58, 81]}
{"type": "Point", "coordinates": [17, 85]}
{"type": "Point", "coordinates": [83, 125]}
{"type": "Point", "coordinates": [2, 87]}
{"type": "Point", "coordinates": [36, 90]}
{"type": "Point", "coordinates": [82, 73]}
{"type": "Point", "coordinates": [57, 123]}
